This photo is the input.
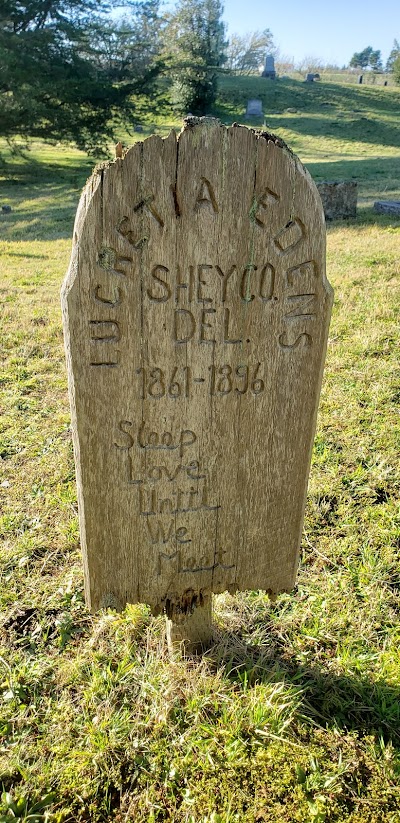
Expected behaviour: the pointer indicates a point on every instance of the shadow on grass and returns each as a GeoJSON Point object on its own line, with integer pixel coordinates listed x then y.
{"type": "Point", "coordinates": [24, 169]}
{"type": "Point", "coordinates": [368, 170]}
{"type": "Point", "coordinates": [42, 212]}
{"type": "Point", "coordinates": [348, 112]}
{"type": "Point", "coordinates": [329, 700]}
{"type": "Point", "coordinates": [44, 195]}
{"type": "Point", "coordinates": [350, 129]}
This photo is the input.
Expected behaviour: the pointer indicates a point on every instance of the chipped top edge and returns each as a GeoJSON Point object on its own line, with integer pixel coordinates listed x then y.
{"type": "Point", "coordinates": [191, 122]}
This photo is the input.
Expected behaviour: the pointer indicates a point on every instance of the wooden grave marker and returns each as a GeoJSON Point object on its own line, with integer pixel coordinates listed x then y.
{"type": "Point", "coordinates": [196, 313]}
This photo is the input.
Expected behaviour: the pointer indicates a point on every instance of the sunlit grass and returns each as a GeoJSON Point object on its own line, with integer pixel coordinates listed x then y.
{"type": "Point", "coordinates": [294, 713]}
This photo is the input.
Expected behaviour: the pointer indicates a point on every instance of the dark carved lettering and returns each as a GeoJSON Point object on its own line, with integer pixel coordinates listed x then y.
{"type": "Point", "coordinates": [227, 339]}
{"type": "Point", "coordinates": [187, 500]}
{"type": "Point", "coordinates": [267, 198]}
{"type": "Point", "coordinates": [201, 282]}
{"type": "Point", "coordinates": [204, 325]}
{"type": "Point", "coordinates": [104, 331]}
{"type": "Point", "coordinates": [181, 535]}
{"type": "Point", "coordinates": [191, 470]}
{"type": "Point", "coordinates": [169, 557]}
{"type": "Point", "coordinates": [122, 428]}
{"type": "Point", "coordinates": [128, 234]}
{"type": "Point", "coordinates": [109, 260]}
{"type": "Point", "coordinates": [206, 195]}
{"type": "Point", "coordinates": [306, 269]}
{"type": "Point", "coordinates": [153, 440]}
{"type": "Point", "coordinates": [157, 383]}
{"type": "Point", "coordinates": [245, 283]}
{"type": "Point", "coordinates": [184, 325]}
{"type": "Point", "coordinates": [158, 532]}
{"type": "Point", "coordinates": [166, 289]}
{"type": "Point", "coordinates": [304, 302]}
{"type": "Point", "coordinates": [225, 278]}
{"type": "Point", "coordinates": [193, 565]}
{"type": "Point", "coordinates": [147, 506]}
{"type": "Point", "coordinates": [304, 340]}
{"type": "Point", "coordinates": [267, 283]}
{"type": "Point", "coordinates": [165, 506]}
{"type": "Point", "coordinates": [117, 295]}
{"type": "Point", "coordinates": [111, 363]}
{"type": "Point", "coordinates": [290, 236]}
{"type": "Point", "coordinates": [147, 203]}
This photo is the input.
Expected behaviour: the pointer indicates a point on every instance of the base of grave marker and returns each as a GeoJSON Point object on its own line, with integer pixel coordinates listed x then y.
{"type": "Point", "coordinates": [190, 633]}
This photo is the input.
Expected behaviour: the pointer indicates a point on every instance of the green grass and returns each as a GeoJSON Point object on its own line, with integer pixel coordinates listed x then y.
{"type": "Point", "coordinates": [340, 132]}
{"type": "Point", "coordinates": [294, 714]}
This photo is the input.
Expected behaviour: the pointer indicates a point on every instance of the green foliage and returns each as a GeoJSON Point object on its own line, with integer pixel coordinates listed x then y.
{"type": "Point", "coordinates": [394, 54]}
{"type": "Point", "coordinates": [368, 58]}
{"type": "Point", "coordinates": [196, 51]}
{"type": "Point", "coordinates": [69, 74]}
{"type": "Point", "coordinates": [23, 809]}
{"type": "Point", "coordinates": [130, 47]}
{"type": "Point", "coordinates": [396, 69]}
{"type": "Point", "coordinates": [246, 53]}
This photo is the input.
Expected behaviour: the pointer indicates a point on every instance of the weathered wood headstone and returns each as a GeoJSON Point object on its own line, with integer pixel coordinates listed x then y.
{"type": "Point", "coordinates": [196, 312]}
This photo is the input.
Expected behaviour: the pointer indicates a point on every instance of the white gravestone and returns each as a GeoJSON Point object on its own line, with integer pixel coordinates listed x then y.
{"type": "Point", "coordinates": [254, 109]}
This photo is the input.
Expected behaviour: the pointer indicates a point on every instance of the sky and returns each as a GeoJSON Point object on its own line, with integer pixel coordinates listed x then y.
{"type": "Point", "coordinates": [331, 30]}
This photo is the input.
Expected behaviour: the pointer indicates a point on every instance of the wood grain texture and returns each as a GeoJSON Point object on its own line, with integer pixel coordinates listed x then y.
{"type": "Point", "coordinates": [196, 313]}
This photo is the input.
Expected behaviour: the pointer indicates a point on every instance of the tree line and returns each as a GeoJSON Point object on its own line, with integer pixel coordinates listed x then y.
{"type": "Point", "coordinates": [72, 70]}
{"type": "Point", "coordinates": [370, 58]}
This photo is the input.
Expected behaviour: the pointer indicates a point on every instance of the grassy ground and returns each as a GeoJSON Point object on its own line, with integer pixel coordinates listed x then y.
{"type": "Point", "coordinates": [341, 132]}
{"type": "Point", "coordinates": [294, 714]}
{"type": "Point", "coordinates": [348, 77]}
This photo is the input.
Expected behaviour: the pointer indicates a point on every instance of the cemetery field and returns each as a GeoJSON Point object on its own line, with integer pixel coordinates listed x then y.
{"type": "Point", "coordinates": [294, 713]}
{"type": "Point", "coordinates": [341, 132]}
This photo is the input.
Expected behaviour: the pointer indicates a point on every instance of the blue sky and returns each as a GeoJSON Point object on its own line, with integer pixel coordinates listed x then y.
{"type": "Point", "coordinates": [332, 30]}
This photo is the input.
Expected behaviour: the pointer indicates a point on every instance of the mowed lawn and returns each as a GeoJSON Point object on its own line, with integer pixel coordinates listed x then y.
{"type": "Point", "coordinates": [294, 713]}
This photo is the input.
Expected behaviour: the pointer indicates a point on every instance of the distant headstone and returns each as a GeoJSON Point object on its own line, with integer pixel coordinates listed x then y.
{"type": "Point", "coordinates": [254, 109]}
{"type": "Point", "coordinates": [339, 199]}
{"type": "Point", "coordinates": [196, 313]}
{"type": "Point", "coordinates": [387, 206]}
{"type": "Point", "coordinates": [269, 67]}
{"type": "Point", "coordinates": [360, 79]}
